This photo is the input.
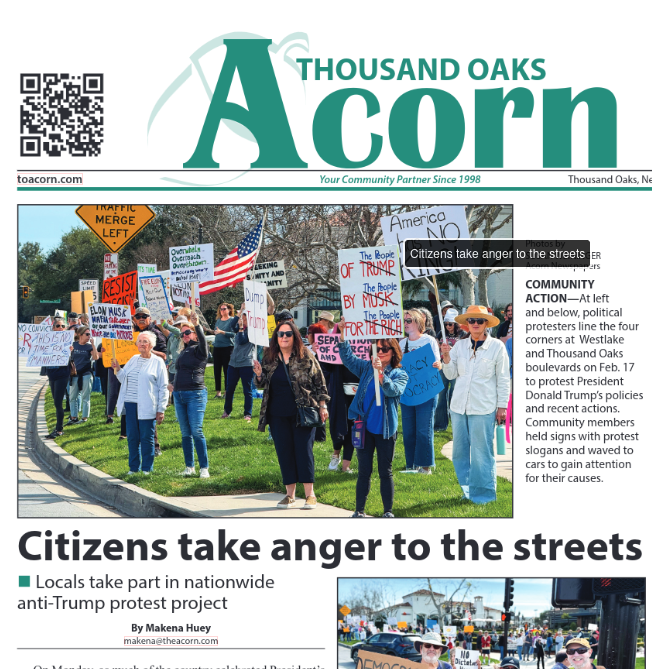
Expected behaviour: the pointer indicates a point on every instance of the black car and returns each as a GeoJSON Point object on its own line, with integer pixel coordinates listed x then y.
{"type": "Point", "coordinates": [389, 643]}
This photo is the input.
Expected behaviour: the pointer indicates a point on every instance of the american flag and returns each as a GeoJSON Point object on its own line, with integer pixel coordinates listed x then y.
{"type": "Point", "coordinates": [235, 266]}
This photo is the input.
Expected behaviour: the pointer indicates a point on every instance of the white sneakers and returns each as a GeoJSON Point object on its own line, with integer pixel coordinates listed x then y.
{"type": "Point", "coordinates": [188, 471]}
{"type": "Point", "coordinates": [334, 463]}
{"type": "Point", "coordinates": [203, 473]}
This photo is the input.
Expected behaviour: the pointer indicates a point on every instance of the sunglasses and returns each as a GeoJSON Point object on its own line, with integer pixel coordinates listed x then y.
{"type": "Point", "coordinates": [408, 321]}
{"type": "Point", "coordinates": [429, 645]}
{"type": "Point", "coordinates": [224, 308]}
{"type": "Point", "coordinates": [473, 321]}
{"type": "Point", "coordinates": [449, 325]}
{"type": "Point", "coordinates": [141, 317]}
{"type": "Point", "coordinates": [186, 333]}
{"type": "Point", "coordinates": [572, 651]}
{"type": "Point", "coordinates": [59, 325]}
{"type": "Point", "coordinates": [286, 334]}
{"type": "Point", "coordinates": [384, 349]}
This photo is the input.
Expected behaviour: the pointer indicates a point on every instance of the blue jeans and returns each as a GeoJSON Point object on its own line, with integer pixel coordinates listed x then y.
{"type": "Point", "coordinates": [519, 649]}
{"type": "Point", "coordinates": [418, 436]}
{"type": "Point", "coordinates": [140, 438]}
{"type": "Point", "coordinates": [473, 455]}
{"type": "Point", "coordinates": [74, 395]}
{"type": "Point", "coordinates": [443, 403]}
{"type": "Point", "coordinates": [232, 378]}
{"type": "Point", "coordinates": [190, 406]}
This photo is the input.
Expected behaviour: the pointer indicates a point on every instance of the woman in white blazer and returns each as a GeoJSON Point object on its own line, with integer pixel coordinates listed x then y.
{"type": "Point", "coordinates": [142, 399]}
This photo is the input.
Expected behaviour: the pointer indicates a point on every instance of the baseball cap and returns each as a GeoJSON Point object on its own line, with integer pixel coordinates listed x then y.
{"type": "Point", "coordinates": [510, 661]}
{"type": "Point", "coordinates": [284, 315]}
{"type": "Point", "coordinates": [579, 642]}
{"type": "Point", "coordinates": [72, 314]}
{"type": "Point", "coordinates": [143, 310]}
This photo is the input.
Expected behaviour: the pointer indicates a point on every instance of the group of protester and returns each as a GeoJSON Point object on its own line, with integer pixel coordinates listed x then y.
{"type": "Point", "coordinates": [300, 393]}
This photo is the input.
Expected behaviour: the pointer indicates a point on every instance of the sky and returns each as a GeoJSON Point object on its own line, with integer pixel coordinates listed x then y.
{"type": "Point", "coordinates": [531, 595]}
{"type": "Point", "coordinates": [45, 224]}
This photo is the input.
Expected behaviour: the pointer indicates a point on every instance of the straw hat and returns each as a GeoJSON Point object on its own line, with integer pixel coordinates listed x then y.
{"type": "Point", "coordinates": [431, 637]}
{"type": "Point", "coordinates": [478, 311]}
{"type": "Point", "coordinates": [327, 316]}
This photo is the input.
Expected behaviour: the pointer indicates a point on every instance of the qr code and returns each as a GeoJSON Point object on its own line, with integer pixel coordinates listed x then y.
{"type": "Point", "coordinates": [61, 114]}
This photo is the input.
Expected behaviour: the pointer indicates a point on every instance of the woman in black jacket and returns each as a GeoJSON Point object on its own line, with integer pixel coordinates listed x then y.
{"type": "Point", "coordinates": [190, 396]}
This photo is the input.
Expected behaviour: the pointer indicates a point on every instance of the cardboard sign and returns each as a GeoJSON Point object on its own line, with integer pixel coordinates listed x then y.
{"type": "Point", "coordinates": [327, 348]}
{"type": "Point", "coordinates": [92, 285]}
{"type": "Point", "coordinates": [121, 289]}
{"type": "Point", "coordinates": [272, 274]}
{"type": "Point", "coordinates": [402, 625]}
{"type": "Point", "coordinates": [110, 265]}
{"type": "Point", "coordinates": [26, 335]}
{"type": "Point", "coordinates": [144, 269]}
{"type": "Point", "coordinates": [153, 288]}
{"type": "Point", "coordinates": [111, 321]}
{"type": "Point", "coordinates": [182, 292]}
{"type": "Point", "coordinates": [255, 295]}
{"type": "Point", "coordinates": [466, 659]}
{"type": "Point", "coordinates": [369, 660]}
{"type": "Point", "coordinates": [43, 320]}
{"type": "Point", "coordinates": [468, 629]}
{"type": "Point", "coordinates": [115, 225]}
{"type": "Point", "coordinates": [51, 348]}
{"type": "Point", "coordinates": [450, 630]}
{"type": "Point", "coordinates": [124, 350]}
{"type": "Point", "coordinates": [271, 325]}
{"type": "Point", "coordinates": [80, 301]}
{"type": "Point", "coordinates": [191, 263]}
{"type": "Point", "coordinates": [371, 292]}
{"type": "Point", "coordinates": [425, 380]}
{"type": "Point", "coordinates": [447, 222]}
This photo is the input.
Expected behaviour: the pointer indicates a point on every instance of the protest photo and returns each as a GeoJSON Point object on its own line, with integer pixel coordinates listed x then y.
{"type": "Point", "coordinates": [468, 623]}
{"type": "Point", "coordinates": [334, 381]}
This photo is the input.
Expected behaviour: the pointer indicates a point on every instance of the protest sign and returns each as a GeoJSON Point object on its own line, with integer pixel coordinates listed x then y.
{"type": "Point", "coordinates": [401, 624]}
{"type": "Point", "coordinates": [425, 380]}
{"type": "Point", "coordinates": [327, 348]}
{"type": "Point", "coordinates": [92, 285]}
{"type": "Point", "coordinates": [447, 223]}
{"type": "Point", "coordinates": [111, 321]}
{"type": "Point", "coordinates": [153, 288]}
{"type": "Point", "coordinates": [271, 325]}
{"type": "Point", "coordinates": [450, 630]}
{"type": "Point", "coordinates": [391, 620]}
{"type": "Point", "coordinates": [26, 335]}
{"type": "Point", "coordinates": [144, 269]}
{"type": "Point", "coordinates": [256, 311]}
{"type": "Point", "coordinates": [466, 659]}
{"type": "Point", "coordinates": [110, 265]}
{"type": "Point", "coordinates": [51, 348]}
{"type": "Point", "coordinates": [80, 300]}
{"type": "Point", "coordinates": [592, 626]}
{"type": "Point", "coordinates": [166, 280]}
{"type": "Point", "coordinates": [43, 320]}
{"type": "Point", "coordinates": [191, 263]}
{"type": "Point", "coordinates": [272, 274]}
{"type": "Point", "coordinates": [59, 313]}
{"type": "Point", "coordinates": [182, 292]}
{"type": "Point", "coordinates": [430, 623]}
{"type": "Point", "coordinates": [124, 350]}
{"type": "Point", "coordinates": [468, 629]}
{"type": "Point", "coordinates": [371, 292]}
{"type": "Point", "coordinates": [121, 289]}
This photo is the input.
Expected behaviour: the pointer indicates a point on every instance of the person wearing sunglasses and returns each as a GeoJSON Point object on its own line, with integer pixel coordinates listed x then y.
{"type": "Point", "coordinates": [431, 647]}
{"type": "Point", "coordinates": [190, 396]}
{"type": "Point", "coordinates": [480, 366]}
{"type": "Point", "coordinates": [380, 422]}
{"type": "Point", "coordinates": [58, 377]}
{"type": "Point", "coordinates": [83, 352]}
{"type": "Point", "coordinates": [289, 376]}
{"type": "Point", "coordinates": [579, 653]}
{"type": "Point", "coordinates": [418, 420]}
{"type": "Point", "coordinates": [226, 327]}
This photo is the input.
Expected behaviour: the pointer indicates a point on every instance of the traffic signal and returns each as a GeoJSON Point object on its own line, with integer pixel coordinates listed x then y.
{"type": "Point", "coordinates": [506, 617]}
{"type": "Point", "coordinates": [25, 292]}
{"type": "Point", "coordinates": [509, 594]}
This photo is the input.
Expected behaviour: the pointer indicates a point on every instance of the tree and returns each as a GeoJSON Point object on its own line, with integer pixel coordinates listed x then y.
{"type": "Point", "coordinates": [450, 605]}
{"type": "Point", "coordinates": [29, 257]}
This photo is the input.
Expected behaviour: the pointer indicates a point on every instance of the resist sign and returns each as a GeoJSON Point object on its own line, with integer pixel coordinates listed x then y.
{"type": "Point", "coordinates": [370, 285]}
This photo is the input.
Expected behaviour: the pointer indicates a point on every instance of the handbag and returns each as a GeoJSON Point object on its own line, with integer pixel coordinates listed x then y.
{"type": "Point", "coordinates": [306, 416]}
{"type": "Point", "coordinates": [73, 369]}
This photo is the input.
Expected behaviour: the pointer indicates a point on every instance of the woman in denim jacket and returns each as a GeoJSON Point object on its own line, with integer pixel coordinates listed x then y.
{"type": "Point", "coordinates": [380, 423]}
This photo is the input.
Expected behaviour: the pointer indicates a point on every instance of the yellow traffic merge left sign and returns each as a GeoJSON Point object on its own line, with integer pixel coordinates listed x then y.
{"type": "Point", "coordinates": [345, 610]}
{"type": "Point", "coordinates": [115, 225]}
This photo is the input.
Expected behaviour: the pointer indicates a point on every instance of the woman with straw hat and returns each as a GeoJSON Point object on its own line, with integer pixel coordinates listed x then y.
{"type": "Point", "coordinates": [481, 366]}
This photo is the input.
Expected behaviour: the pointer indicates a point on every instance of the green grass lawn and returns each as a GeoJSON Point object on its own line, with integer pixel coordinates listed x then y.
{"type": "Point", "coordinates": [242, 460]}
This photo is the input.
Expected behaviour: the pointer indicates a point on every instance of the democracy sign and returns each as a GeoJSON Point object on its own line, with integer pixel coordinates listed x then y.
{"type": "Point", "coordinates": [110, 265]}
{"type": "Point", "coordinates": [272, 274]}
{"type": "Point", "coordinates": [124, 350]}
{"type": "Point", "coordinates": [121, 289]}
{"type": "Point", "coordinates": [144, 269]}
{"type": "Point", "coordinates": [191, 263]}
{"type": "Point", "coordinates": [466, 659]}
{"type": "Point", "coordinates": [26, 334]}
{"type": "Point", "coordinates": [153, 288]}
{"type": "Point", "coordinates": [256, 311]}
{"type": "Point", "coordinates": [51, 348]}
{"type": "Point", "coordinates": [90, 284]}
{"type": "Point", "coordinates": [111, 321]}
{"type": "Point", "coordinates": [327, 348]}
{"type": "Point", "coordinates": [425, 380]}
{"type": "Point", "coordinates": [446, 223]}
{"type": "Point", "coordinates": [371, 292]}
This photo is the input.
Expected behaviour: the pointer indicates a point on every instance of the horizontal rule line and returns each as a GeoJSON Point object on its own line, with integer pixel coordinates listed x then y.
{"type": "Point", "coordinates": [331, 188]}
{"type": "Point", "coordinates": [300, 171]}
{"type": "Point", "coordinates": [188, 647]}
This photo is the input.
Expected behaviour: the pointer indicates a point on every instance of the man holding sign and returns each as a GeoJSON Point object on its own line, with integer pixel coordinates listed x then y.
{"type": "Point", "coordinates": [376, 424]}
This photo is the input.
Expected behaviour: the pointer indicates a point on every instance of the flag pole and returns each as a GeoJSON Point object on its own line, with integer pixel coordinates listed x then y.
{"type": "Point", "coordinates": [441, 318]}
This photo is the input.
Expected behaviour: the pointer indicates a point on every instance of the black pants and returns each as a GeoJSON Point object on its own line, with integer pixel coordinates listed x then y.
{"type": "Point", "coordinates": [338, 442]}
{"type": "Point", "coordinates": [58, 390]}
{"type": "Point", "coordinates": [294, 449]}
{"type": "Point", "coordinates": [385, 455]}
{"type": "Point", "coordinates": [221, 357]}
{"type": "Point", "coordinates": [540, 658]}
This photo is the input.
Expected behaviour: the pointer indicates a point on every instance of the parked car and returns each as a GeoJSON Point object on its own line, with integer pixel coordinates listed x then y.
{"type": "Point", "coordinates": [388, 643]}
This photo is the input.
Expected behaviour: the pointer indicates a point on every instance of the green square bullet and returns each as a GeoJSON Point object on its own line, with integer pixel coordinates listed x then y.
{"type": "Point", "coordinates": [23, 581]}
